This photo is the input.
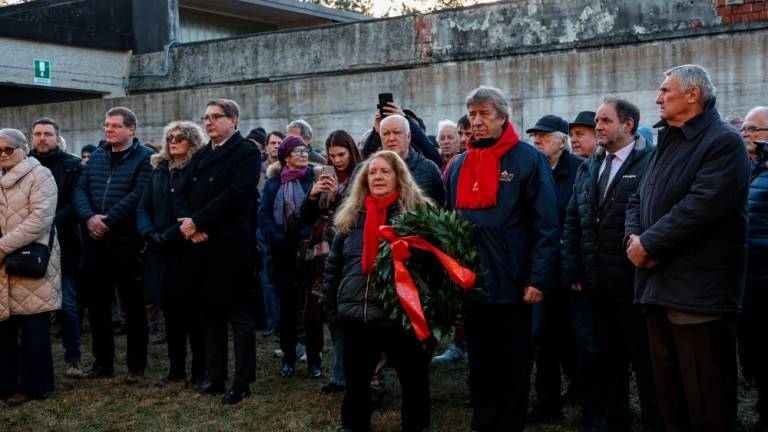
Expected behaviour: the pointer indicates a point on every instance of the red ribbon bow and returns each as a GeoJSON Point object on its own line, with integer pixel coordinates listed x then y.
{"type": "Point", "coordinates": [404, 286]}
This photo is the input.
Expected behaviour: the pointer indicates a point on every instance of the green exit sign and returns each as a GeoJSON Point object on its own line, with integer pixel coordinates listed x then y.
{"type": "Point", "coordinates": [42, 72]}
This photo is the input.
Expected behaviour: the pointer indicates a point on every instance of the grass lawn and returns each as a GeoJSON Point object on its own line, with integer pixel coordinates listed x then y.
{"type": "Point", "coordinates": [278, 404]}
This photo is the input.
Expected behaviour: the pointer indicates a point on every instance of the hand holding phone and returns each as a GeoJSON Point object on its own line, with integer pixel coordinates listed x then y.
{"type": "Point", "coordinates": [384, 99]}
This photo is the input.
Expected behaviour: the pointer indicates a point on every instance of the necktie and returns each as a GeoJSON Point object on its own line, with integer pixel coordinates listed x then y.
{"type": "Point", "coordinates": [602, 182]}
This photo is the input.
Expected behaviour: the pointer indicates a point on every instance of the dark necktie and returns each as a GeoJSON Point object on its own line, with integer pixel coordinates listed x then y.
{"type": "Point", "coordinates": [602, 182]}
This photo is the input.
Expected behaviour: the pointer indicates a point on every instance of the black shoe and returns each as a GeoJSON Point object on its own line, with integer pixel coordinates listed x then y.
{"type": "Point", "coordinates": [314, 371]}
{"type": "Point", "coordinates": [287, 370]}
{"type": "Point", "coordinates": [236, 394]}
{"type": "Point", "coordinates": [331, 388]}
{"type": "Point", "coordinates": [544, 414]}
{"type": "Point", "coordinates": [209, 387]}
{"type": "Point", "coordinates": [169, 379]}
{"type": "Point", "coordinates": [97, 372]}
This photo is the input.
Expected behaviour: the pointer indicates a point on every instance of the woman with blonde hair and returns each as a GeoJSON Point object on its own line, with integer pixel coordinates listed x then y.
{"type": "Point", "coordinates": [28, 197]}
{"type": "Point", "coordinates": [164, 282]}
{"type": "Point", "coordinates": [382, 188]}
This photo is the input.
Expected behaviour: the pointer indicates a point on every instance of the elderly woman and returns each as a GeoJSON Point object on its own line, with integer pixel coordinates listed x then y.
{"type": "Point", "coordinates": [318, 209]}
{"type": "Point", "coordinates": [164, 271]}
{"type": "Point", "coordinates": [382, 188]}
{"type": "Point", "coordinates": [289, 181]}
{"type": "Point", "coordinates": [27, 209]}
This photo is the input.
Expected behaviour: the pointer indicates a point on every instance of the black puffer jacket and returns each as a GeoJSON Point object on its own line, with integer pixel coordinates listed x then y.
{"type": "Point", "coordinates": [593, 252]}
{"type": "Point", "coordinates": [346, 286]}
{"type": "Point", "coordinates": [757, 268]}
{"type": "Point", "coordinates": [427, 176]}
{"type": "Point", "coordinates": [66, 169]}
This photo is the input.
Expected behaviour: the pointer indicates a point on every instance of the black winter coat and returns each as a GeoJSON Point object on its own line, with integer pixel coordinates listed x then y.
{"type": "Point", "coordinates": [757, 269]}
{"type": "Point", "coordinates": [114, 192]}
{"type": "Point", "coordinates": [691, 215]}
{"type": "Point", "coordinates": [156, 214]}
{"type": "Point", "coordinates": [565, 174]}
{"type": "Point", "coordinates": [427, 175]}
{"type": "Point", "coordinates": [346, 286]}
{"type": "Point", "coordinates": [217, 193]}
{"type": "Point", "coordinates": [66, 169]}
{"type": "Point", "coordinates": [593, 251]}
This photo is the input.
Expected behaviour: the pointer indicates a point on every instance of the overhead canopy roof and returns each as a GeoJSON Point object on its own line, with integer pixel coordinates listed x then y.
{"type": "Point", "coordinates": [272, 11]}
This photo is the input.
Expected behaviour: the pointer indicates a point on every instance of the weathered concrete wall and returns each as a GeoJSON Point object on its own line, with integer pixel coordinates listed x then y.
{"type": "Point", "coordinates": [72, 68]}
{"type": "Point", "coordinates": [559, 82]}
{"type": "Point", "coordinates": [513, 27]}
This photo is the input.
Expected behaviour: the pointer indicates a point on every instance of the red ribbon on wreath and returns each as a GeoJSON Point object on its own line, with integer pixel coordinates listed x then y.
{"type": "Point", "coordinates": [404, 286]}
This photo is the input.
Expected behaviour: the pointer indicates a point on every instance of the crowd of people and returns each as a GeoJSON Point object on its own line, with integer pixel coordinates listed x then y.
{"type": "Point", "coordinates": [602, 254]}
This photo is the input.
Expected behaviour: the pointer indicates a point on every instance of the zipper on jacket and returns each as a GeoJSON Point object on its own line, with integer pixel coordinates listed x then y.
{"type": "Point", "coordinates": [109, 179]}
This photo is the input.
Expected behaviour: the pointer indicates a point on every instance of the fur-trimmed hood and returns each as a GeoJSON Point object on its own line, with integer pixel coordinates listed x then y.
{"type": "Point", "coordinates": [273, 170]}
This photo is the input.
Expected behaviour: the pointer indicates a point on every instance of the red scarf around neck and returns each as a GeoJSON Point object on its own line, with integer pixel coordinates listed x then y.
{"type": "Point", "coordinates": [479, 174]}
{"type": "Point", "coordinates": [376, 209]}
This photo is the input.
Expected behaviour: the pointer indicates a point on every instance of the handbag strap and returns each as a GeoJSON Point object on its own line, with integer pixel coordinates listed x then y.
{"type": "Point", "coordinates": [50, 237]}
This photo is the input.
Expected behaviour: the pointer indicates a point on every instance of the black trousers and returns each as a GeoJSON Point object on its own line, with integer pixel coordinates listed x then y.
{"type": "Point", "coordinates": [500, 355]}
{"type": "Point", "coordinates": [621, 345]}
{"type": "Point", "coordinates": [363, 346]}
{"type": "Point", "coordinates": [26, 360]}
{"type": "Point", "coordinates": [552, 348]}
{"type": "Point", "coordinates": [182, 323]}
{"type": "Point", "coordinates": [216, 319]}
{"type": "Point", "coordinates": [753, 353]}
{"type": "Point", "coordinates": [291, 306]}
{"type": "Point", "coordinates": [694, 367]}
{"type": "Point", "coordinates": [111, 264]}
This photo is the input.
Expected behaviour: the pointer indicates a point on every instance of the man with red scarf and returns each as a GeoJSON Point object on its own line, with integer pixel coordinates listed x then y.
{"type": "Point", "coordinates": [505, 188]}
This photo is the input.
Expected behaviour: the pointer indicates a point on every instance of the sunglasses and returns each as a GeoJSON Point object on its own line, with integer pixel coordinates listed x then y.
{"type": "Point", "coordinates": [175, 138]}
{"type": "Point", "coordinates": [7, 151]}
{"type": "Point", "coordinates": [300, 150]}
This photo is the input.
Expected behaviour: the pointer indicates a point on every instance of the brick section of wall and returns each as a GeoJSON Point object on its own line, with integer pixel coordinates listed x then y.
{"type": "Point", "coordinates": [744, 11]}
{"type": "Point", "coordinates": [422, 29]}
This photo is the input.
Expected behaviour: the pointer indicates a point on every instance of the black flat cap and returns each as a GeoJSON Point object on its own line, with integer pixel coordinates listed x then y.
{"type": "Point", "coordinates": [550, 123]}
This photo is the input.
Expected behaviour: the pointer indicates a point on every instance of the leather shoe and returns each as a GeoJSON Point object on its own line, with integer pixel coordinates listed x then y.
{"type": "Point", "coordinates": [209, 387]}
{"type": "Point", "coordinates": [17, 400]}
{"type": "Point", "coordinates": [168, 380]}
{"type": "Point", "coordinates": [236, 394]}
{"type": "Point", "coordinates": [97, 372]}
{"type": "Point", "coordinates": [287, 370]}
{"type": "Point", "coordinates": [314, 371]}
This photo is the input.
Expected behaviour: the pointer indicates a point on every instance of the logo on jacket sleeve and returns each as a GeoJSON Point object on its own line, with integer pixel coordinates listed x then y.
{"type": "Point", "coordinates": [506, 176]}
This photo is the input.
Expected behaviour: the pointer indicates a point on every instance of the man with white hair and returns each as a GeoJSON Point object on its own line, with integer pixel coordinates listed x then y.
{"type": "Point", "coordinates": [755, 128]}
{"type": "Point", "coordinates": [396, 136]}
{"type": "Point", "coordinates": [301, 128]}
{"type": "Point", "coordinates": [449, 141]}
{"type": "Point", "coordinates": [686, 234]}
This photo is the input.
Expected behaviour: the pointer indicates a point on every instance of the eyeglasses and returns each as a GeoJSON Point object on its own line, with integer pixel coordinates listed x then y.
{"type": "Point", "coordinates": [113, 126]}
{"type": "Point", "coordinates": [175, 138]}
{"type": "Point", "coordinates": [300, 150]}
{"type": "Point", "coordinates": [212, 118]}
{"type": "Point", "coordinates": [752, 129]}
{"type": "Point", "coordinates": [7, 151]}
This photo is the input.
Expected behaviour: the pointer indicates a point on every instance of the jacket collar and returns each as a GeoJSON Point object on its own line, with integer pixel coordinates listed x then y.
{"type": "Point", "coordinates": [697, 123]}
{"type": "Point", "coordinates": [563, 167]}
{"type": "Point", "coordinates": [24, 167]}
{"type": "Point", "coordinates": [134, 144]}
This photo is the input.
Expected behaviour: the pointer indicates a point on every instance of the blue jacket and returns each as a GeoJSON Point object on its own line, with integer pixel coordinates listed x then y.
{"type": "Point", "coordinates": [519, 239]}
{"type": "Point", "coordinates": [114, 193]}
{"type": "Point", "coordinates": [757, 267]}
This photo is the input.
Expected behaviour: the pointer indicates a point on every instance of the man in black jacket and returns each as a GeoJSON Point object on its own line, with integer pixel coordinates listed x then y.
{"type": "Point", "coordinates": [396, 136]}
{"type": "Point", "coordinates": [550, 317]}
{"type": "Point", "coordinates": [216, 198]}
{"type": "Point", "coordinates": [106, 197]}
{"type": "Point", "coordinates": [66, 169]}
{"type": "Point", "coordinates": [686, 232]}
{"type": "Point", "coordinates": [608, 329]}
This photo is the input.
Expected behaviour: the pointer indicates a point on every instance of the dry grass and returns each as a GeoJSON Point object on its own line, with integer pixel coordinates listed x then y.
{"type": "Point", "coordinates": [277, 404]}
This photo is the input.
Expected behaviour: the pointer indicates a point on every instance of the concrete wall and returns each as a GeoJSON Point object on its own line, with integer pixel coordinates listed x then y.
{"type": "Point", "coordinates": [559, 82]}
{"type": "Point", "coordinates": [72, 68]}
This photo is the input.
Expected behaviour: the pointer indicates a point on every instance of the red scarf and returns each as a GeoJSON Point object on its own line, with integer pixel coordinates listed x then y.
{"type": "Point", "coordinates": [376, 216]}
{"type": "Point", "coordinates": [479, 174]}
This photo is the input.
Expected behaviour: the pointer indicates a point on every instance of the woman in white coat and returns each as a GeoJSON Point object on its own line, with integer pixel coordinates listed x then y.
{"type": "Point", "coordinates": [27, 208]}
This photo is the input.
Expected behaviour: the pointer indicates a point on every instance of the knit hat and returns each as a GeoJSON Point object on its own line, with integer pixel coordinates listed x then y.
{"type": "Point", "coordinates": [287, 145]}
{"type": "Point", "coordinates": [259, 135]}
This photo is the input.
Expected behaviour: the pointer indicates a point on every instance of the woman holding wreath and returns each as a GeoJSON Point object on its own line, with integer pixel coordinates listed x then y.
{"type": "Point", "coordinates": [382, 188]}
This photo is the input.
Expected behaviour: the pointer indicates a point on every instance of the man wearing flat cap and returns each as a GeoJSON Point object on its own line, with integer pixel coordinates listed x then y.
{"type": "Point", "coordinates": [550, 317]}
{"type": "Point", "coordinates": [582, 133]}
